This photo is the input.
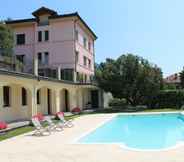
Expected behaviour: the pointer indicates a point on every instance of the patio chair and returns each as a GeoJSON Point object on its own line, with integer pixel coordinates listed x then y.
{"type": "Point", "coordinates": [40, 130]}
{"type": "Point", "coordinates": [66, 123]}
{"type": "Point", "coordinates": [52, 125]}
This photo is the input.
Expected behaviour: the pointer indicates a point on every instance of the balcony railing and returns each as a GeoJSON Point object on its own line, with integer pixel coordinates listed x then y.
{"type": "Point", "coordinates": [14, 65]}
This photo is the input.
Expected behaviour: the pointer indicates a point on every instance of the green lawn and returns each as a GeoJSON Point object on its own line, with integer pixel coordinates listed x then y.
{"type": "Point", "coordinates": [161, 110]}
{"type": "Point", "coordinates": [16, 132]}
{"type": "Point", "coordinates": [26, 129]}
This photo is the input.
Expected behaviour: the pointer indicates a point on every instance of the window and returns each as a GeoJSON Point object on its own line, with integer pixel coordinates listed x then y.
{"type": "Point", "coordinates": [89, 63]}
{"type": "Point", "coordinates": [76, 35]}
{"type": "Point", "coordinates": [91, 78]}
{"type": "Point", "coordinates": [20, 39]}
{"type": "Point", "coordinates": [85, 78]}
{"type": "Point", "coordinates": [67, 74]}
{"type": "Point", "coordinates": [76, 56]}
{"type": "Point", "coordinates": [78, 77]}
{"type": "Point", "coordinates": [39, 58]}
{"type": "Point", "coordinates": [38, 96]}
{"type": "Point", "coordinates": [20, 58]}
{"type": "Point", "coordinates": [89, 46]}
{"type": "Point", "coordinates": [46, 58]}
{"type": "Point", "coordinates": [6, 96]}
{"type": "Point", "coordinates": [84, 42]}
{"type": "Point", "coordinates": [39, 36]}
{"type": "Point", "coordinates": [85, 60]}
{"type": "Point", "coordinates": [24, 97]}
{"type": "Point", "coordinates": [43, 20]}
{"type": "Point", "coordinates": [46, 35]}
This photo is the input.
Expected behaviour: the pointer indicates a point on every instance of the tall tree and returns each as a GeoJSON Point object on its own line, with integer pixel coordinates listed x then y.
{"type": "Point", "coordinates": [182, 78]}
{"type": "Point", "coordinates": [130, 77]}
{"type": "Point", "coordinates": [6, 40]}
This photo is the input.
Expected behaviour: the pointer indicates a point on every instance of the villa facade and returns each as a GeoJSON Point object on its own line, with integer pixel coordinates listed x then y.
{"type": "Point", "coordinates": [57, 54]}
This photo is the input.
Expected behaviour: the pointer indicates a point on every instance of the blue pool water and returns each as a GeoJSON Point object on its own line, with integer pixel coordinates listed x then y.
{"type": "Point", "coordinates": [140, 131]}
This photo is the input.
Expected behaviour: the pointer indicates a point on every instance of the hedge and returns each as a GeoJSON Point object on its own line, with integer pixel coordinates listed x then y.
{"type": "Point", "coordinates": [169, 99]}
{"type": "Point", "coordinates": [117, 102]}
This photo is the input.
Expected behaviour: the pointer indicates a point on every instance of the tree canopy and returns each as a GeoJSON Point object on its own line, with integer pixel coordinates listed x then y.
{"type": "Point", "coordinates": [130, 77]}
{"type": "Point", "coordinates": [182, 78]}
{"type": "Point", "coordinates": [6, 40]}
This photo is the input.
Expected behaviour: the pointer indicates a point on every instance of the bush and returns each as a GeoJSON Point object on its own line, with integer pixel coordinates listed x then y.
{"type": "Point", "coordinates": [3, 125]}
{"type": "Point", "coordinates": [117, 102]}
{"type": "Point", "coordinates": [76, 110]}
{"type": "Point", "coordinates": [169, 99]}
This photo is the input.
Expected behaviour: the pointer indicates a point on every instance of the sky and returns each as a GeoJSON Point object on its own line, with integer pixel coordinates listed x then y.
{"type": "Point", "coordinates": [153, 29]}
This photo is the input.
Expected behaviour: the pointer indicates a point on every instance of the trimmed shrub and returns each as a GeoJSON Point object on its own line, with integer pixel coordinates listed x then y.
{"type": "Point", "coordinates": [168, 99]}
{"type": "Point", "coordinates": [117, 102]}
{"type": "Point", "coordinates": [3, 125]}
{"type": "Point", "coordinates": [76, 110]}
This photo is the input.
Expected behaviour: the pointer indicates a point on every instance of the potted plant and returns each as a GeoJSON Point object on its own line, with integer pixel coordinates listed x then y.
{"type": "Point", "coordinates": [76, 110]}
{"type": "Point", "coordinates": [3, 125]}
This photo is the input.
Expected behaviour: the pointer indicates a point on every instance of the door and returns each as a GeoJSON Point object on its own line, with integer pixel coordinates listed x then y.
{"type": "Point", "coordinates": [94, 99]}
{"type": "Point", "coordinates": [49, 101]}
{"type": "Point", "coordinates": [66, 101]}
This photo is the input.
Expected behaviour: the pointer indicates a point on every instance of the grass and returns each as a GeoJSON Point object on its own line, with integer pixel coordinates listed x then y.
{"type": "Point", "coordinates": [161, 110]}
{"type": "Point", "coordinates": [26, 129]}
{"type": "Point", "coordinates": [16, 132]}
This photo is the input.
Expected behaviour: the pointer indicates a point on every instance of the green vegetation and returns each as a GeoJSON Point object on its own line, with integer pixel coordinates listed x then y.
{"type": "Point", "coordinates": [130, 77]}
{"type": "Point", "coordinates": [16, 132]}
{"type": "Point", "coordinates": [161, 110]}
{"type": "Point", "coordinates": [6, 40]}
{"type": "Point", "coordinates": [182, 78]}
{"type": "Point", "coordinates": [116, 102]}
{"type": "Point", "coordinates": [168, 98]}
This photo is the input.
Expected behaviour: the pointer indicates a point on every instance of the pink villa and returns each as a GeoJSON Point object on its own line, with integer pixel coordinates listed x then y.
{"type": "Point", "coordinates": [58, 55]}
{"type": "Point", "coordinates": [60, 43]}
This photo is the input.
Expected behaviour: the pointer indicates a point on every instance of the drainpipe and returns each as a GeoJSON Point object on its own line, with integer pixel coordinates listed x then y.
{"type": "Point", "coordinates": [35, 58]}
{"type": "Point", "coordinates": [75, 71]}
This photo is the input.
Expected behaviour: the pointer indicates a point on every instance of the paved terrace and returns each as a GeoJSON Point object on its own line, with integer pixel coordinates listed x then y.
{"type": "Point", "coordinates": [58, 147]}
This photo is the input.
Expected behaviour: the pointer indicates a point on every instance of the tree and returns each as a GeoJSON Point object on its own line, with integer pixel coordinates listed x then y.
{"type": "Point", "coordinates": [182, 78]}
{"type": "Point", "coordinates": [6, 40]}
{"type": "Point", "coordinates": [130, 77]}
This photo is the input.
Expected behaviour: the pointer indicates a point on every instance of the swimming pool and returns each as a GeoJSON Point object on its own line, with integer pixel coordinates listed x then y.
{"type": "Point", "coordinates": [156, 131]}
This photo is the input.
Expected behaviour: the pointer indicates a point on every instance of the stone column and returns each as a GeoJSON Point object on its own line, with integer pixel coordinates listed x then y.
{"type": "Point", "coordinates": [74, 76]}
{"type": "Point", "coordinates": [57, 100]}
{"type": "Point", "coordinates": [59, 72]}
{"type": "Point", "coordinates": [35, 65]}
{"type": "Point", "coordinates": [80, 98]}
{"type": "Point", "coordinates": [1, 96]}
{"type": "Point", "coordinates": [73, 98]}
{"type": "Point", "coordinates": [33, 102]}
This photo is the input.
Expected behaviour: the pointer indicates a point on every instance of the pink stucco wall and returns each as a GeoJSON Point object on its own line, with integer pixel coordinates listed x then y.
{"type": "Point", "coordinates": [28, 48]}
{"type": "Point", "coordinates": [61, 45]}
{"type": "Point", "coordinates": [84, 52]}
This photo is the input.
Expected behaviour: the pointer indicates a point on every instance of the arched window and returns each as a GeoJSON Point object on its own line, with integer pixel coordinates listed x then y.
{"type": "Point", "coordinates": [38, 97]}
{"type": "Point", "coordinates": [24, 97]}
{"type": "Point", "coordinates": [6, 96]}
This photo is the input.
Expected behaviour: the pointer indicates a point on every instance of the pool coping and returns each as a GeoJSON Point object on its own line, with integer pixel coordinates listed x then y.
{"type": "Point", "coordinates": [122, 145]}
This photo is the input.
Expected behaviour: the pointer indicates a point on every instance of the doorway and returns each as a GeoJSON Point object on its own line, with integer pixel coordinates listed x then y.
{"type": "Point", "coordinates": [49, 101]}
{"type": "Point", "coordinates": [66, 105]}
{"type": "Point", "coordinates": [94, 99]}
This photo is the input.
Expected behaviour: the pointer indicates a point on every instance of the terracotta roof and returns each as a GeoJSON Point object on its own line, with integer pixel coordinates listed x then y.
{"type": "Point", "coordinates": [43, 10]}
{"type": "Point", "coordinates": [53, 16]}
{"type": "Point", "coordinates": [174, 78]}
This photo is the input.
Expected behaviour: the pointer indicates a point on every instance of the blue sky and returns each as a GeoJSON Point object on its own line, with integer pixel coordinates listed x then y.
{"type": "Point", "coordinates": [153, 29]}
